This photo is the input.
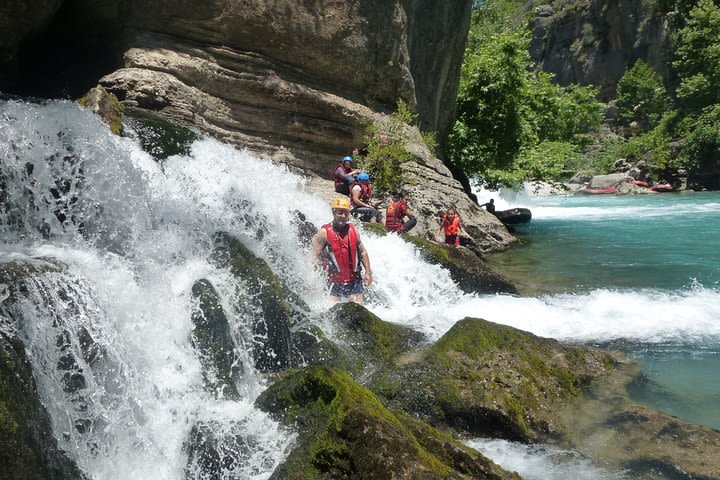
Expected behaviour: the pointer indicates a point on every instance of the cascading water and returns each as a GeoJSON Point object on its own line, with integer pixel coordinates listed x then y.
{"type": "Point", "coordinates": [121, 239]}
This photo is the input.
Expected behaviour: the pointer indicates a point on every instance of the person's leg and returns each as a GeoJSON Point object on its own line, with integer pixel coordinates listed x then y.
{"type": "Point", "coordinates": [378, 216]}
{"type": "Point", "coordinates": [357, 298]}
{"type": "Point", "coordinates": [364, 214]}
{"type": "Point", "coordinates": [355, 291]}
{"type": "Point", "coordinates": [409, 225]}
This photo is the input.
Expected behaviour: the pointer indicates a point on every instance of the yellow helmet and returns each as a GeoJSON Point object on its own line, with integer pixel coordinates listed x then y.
{"type": "Point", "coordinates": [340, 204]}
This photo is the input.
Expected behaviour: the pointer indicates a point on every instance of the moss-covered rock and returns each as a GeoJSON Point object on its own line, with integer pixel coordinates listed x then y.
{"type": "Point", "coordinates": [369, 338]}
{"type": "Point", "coordinates": [489, 379]}
{"type": "Point", "coordinates": [269, 306]}
{"type": "Point", "coordinates": [312, 347]}
{"type": "Point", "coordinates": [212, 338]}
{"type": "Point", "coordinates": [345, 432]}
{"type": "Point", "coordinates": [28, 449]}
{"type": "Point", "coordinates": [158, 136]}
{"type": "Point", "coordinates": [467, 269]}
{"type": "Point", "coordinates": [106, 106]}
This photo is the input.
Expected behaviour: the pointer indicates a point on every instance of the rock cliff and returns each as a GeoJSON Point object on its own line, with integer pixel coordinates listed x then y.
{"type": "Point", "coordinates": [295, 81]}
{"type": "Point", "coordinates": [594, 42]}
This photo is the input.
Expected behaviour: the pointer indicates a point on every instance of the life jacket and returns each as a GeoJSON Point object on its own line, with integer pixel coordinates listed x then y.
{"type": "Point", "coordinates": [451, 227]}
{"type": "Point", "coordinates": [393, 217]}
{"type": "Point", "coordinates": [341, 259]}
{"type": "Point", "coordinates": [365, 192]}
{"type": "Point", "coordinates": [340, 181]}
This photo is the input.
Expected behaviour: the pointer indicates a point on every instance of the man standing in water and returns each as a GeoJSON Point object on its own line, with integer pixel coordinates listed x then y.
{"type": "Point", "coordinates": [339, 247]}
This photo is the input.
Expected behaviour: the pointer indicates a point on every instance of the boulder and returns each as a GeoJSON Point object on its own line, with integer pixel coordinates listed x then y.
{"type": "Point", "coordinates": [29, 449]}
{"type": "Point", "coordinates": [465, 266]}
{"type": "Point", "coordinates": [609, 180]}
{"type": "Point", "coordinates": [212, 338]}
{"type": "Point", "coordinates": [492, 380]}
{"type": "Point", "coordinates": [619, 432]}
{"type": "Point", "coordinates": [267, 304]}
{"type": "Point", "coordinates": [346, 432]}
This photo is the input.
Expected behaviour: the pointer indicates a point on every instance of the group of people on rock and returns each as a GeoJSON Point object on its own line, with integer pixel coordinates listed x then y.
{"type": "Point", "coordinates": [356, 185]}
{"type": "Point", "coordinates": [337, 245]}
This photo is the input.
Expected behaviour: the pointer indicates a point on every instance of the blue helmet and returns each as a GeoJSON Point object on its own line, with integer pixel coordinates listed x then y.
{"type": "Point", "coordinates": [363, 176]}
{"type": "Point", "coordinates": [347, 158]}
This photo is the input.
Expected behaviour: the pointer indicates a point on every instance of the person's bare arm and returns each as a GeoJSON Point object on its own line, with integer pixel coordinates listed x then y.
{"type": "Point", "coordinates": [318, 243]}
{"type": "Point", "coordinates": [365, 258]}
{"type": "Point", "coordinates": [356, 198]}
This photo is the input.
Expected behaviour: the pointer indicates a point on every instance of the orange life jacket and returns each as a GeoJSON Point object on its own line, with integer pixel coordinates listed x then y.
{"type": "Point", "coordinates": [341, 257]}
{"type": "Point", "coordinates": [394, 217]}
{"type": "Point", "coordinates": [451, 227]}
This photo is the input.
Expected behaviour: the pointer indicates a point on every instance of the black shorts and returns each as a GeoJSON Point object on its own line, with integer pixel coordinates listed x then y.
{"type": "Point", "coordinates": [347, 289]}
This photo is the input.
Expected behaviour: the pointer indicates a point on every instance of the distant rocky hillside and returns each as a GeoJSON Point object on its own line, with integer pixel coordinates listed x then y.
{"type": "Point", "coordinates": [595, 41]}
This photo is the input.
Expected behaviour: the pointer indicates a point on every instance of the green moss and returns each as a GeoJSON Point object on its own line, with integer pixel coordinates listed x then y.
{"type": "Point", "coordinates": [160, 137]}
{"type": "Point", "coordinates": [110, 109]}
{"type": "Point", "coordinates": [473, 338]}
{"type": "Point", "coordinates": [346, 432]}
{"type": "Point", "coordinates": [576, 356]}
{"type": "Point", "coordinates": [376, 339]}
{"type": "Point", "coordinates": [516, 410]}
{"type": "Point", "coordinates": [432, 252]}
{"type": "Point", "coordinates": [8, 425]}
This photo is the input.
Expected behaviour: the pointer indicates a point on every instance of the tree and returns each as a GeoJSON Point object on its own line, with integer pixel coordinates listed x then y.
{"type": "Point", "coordinates": [698, 57]}
{"type": "Point", "coordinates": [642, 97]}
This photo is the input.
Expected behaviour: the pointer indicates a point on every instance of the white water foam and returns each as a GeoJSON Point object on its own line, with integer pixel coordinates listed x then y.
{"type": "Point", "coordinates": [542, 462]}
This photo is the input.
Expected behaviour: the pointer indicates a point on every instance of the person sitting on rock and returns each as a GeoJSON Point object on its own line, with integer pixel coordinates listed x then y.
{"type": "Point", "coordinates": [489, 206]}
{"type": "Point", "coordinates": [345, 175]}
{"type": "Point", "coordinates": [396, 212]}
{"type": "Point", "coordinates": [342, 252]}
{"type": "Point", "coordinates": [451, 226]}
{"type": "Point", "coordinates": [360, 193]}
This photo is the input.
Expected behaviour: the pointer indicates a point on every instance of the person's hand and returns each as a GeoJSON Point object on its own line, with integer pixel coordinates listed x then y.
{"type": "Point", "coordinates": [367, 278]}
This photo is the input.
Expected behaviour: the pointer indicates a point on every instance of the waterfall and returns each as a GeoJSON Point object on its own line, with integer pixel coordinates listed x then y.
{"type": "Point", "coordinates": [117, 239]}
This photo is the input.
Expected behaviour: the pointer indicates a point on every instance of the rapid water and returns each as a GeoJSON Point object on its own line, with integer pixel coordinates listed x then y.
{"type": "Point", "coordinates": [135, 235]}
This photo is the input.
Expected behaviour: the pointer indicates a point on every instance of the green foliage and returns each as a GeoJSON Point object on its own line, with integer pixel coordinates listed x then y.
{"type": "Point", "coordinates": [698, 57]}
{"type": "Point", "coordinates": [489, 128]}
{"type": "Point", "coordinates": [549, 161]}
{"type": "Point", "coordinates": [641, 96]}
{"type": "Point", "coordinates": [702, 143]}
{"type": "Point", "coordinates": [386, 141]}
{"type": "Point", "coordinates": [505, 108]}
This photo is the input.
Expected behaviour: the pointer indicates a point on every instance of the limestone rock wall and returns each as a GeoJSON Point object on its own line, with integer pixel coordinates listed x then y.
{"type": "Point", "coordinates": [295, 80]}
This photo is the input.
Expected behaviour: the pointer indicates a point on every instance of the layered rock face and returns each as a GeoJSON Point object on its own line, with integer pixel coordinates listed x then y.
{"type": "Point", "coordinates": [594, 42]}
{"type": "Point", "coordinates": [295, 81]}
{"type": "Point", "coordinates": [292, 79]}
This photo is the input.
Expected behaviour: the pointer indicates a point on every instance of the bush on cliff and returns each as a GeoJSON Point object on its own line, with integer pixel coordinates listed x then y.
{"type": "Point", "coordinates": [386, 140]}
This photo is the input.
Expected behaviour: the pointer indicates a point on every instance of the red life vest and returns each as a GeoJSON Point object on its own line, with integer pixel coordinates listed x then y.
{"type": "Point", "coordinates": [365, 192]}
{"type": "Point", "coordinates": [340, 181]}
{"type": "Point", "coordinates": [394, 217]}
{"type": "Point", "coordinates": [451, 227]}
{"type": "Point", "coordinates": [341, 258]}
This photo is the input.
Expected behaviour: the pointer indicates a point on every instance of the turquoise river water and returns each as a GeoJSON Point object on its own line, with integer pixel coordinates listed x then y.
{"type": "Point", "coordinates": [651, 260]}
